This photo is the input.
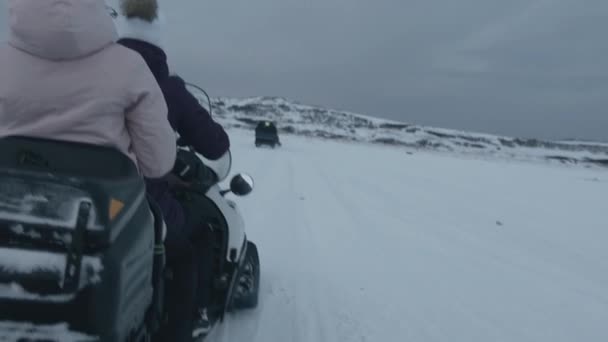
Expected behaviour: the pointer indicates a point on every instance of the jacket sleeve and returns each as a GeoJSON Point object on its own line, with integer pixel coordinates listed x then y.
{"type": "Point", "coordinates": [153, 140]}
{"type": "Point", "coordinates": [193, 123]}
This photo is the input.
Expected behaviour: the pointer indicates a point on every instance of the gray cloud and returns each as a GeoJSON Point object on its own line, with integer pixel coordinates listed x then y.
{"type": "Point", "coordinates": [518, 67]}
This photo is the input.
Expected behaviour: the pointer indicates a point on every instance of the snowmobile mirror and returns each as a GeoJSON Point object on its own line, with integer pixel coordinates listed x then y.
{"type": "Point", "coordinates": [241, 184]}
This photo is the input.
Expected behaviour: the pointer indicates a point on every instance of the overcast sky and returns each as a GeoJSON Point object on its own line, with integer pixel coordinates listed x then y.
{"type": "Point", "coordinates": [533, 68]}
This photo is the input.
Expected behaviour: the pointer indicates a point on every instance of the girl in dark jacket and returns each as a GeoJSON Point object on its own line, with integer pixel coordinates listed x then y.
{"type": "Point", "coordinates": [140, 30]}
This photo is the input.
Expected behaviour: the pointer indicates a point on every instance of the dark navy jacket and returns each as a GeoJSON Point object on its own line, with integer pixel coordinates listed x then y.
{"type": "Point", "coordinates": [191, 120]}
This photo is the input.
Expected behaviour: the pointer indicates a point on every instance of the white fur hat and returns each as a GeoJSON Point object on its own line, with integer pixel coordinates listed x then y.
{"type": "Point", "coordinates": [141, 20]}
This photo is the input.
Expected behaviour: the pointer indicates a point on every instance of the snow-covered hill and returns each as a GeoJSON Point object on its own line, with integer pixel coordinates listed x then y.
{"type": "Point", "coordinates": [294, 118]}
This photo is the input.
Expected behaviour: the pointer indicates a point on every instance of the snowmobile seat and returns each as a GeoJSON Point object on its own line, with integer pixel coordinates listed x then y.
{"type": "Point", "coordinates": [77, 237]}
{"type": "Point", "coordinates": [57, 178]}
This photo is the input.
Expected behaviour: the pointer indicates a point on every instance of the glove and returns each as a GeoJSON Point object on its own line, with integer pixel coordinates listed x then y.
{"type": "Point", "coordinates": [190, 169]}
{"type": "Point", "coordinates": [186, 166]}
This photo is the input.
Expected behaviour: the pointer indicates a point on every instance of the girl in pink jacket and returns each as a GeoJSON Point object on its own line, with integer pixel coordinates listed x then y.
{"type": "Point", "coordinates": [62, 76]}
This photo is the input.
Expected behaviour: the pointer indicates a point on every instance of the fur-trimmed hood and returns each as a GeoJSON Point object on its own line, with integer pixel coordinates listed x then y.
{"type": "Point", "coordinates": [141, 20]}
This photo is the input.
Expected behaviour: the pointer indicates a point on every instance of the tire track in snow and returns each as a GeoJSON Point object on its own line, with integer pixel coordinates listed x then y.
{"type": "Point", "coordinates": [265, 166]}
{"type": "Point", "coordinates": [310, 308]}
{"type": "Point", "coordinates": [326, 233]}
{"type": "Point", "coordinates": [290, 293]}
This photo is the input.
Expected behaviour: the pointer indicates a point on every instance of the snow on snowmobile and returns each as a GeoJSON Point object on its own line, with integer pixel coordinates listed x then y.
{"type": "Point", "coordinates": [81, 246]}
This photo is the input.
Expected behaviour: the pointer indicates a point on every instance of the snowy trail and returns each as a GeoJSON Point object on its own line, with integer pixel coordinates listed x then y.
{"type": "Point", "coordinates": [295, 288]}
{"type": "Point", "coordinates": [364, 243]}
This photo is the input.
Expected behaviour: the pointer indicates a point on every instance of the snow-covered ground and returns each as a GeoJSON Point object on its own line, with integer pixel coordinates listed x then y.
{"type": "Point", "coordinates": [368, 243]}
{"type": "Point", "coordinates": [365, 243]}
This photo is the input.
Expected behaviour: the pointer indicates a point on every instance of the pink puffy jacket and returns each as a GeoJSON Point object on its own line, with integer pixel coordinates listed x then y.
{"type": "Point", "coordinates": [63, 76]}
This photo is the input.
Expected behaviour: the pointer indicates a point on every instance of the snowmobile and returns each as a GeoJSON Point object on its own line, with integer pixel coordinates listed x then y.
{"type": "Point", "coordinates": [266, 134]}
{"type": "Point", "coordinates": [81, 245]}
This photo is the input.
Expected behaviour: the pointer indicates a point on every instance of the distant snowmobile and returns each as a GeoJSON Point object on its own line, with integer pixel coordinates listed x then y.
{"type": "Point", "coordinates": [80, 244]}
{"type": "Point", "coordinates": [266, 133]}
